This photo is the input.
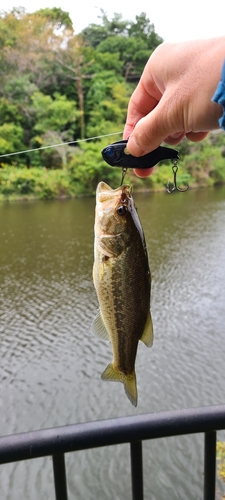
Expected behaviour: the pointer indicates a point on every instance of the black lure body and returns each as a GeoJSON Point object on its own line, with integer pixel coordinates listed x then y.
{"type": "Point", "coordinates": [115, 156]}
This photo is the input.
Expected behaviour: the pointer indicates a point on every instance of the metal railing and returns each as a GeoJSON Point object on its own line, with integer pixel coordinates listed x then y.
{"type": "Point", "coordinates": [57, 441]}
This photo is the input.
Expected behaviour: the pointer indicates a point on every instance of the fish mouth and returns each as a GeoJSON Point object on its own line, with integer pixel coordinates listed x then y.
{"type": "Point", "coordinates": [104, 192]}
{"type": "Point", "coordinates": [104, 235]}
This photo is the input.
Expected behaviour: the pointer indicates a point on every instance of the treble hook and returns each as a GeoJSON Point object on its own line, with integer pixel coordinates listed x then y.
{"type": "Point", "coordinates": [174, 187]}
{"type": "Point", "coordinates": [124, 171]}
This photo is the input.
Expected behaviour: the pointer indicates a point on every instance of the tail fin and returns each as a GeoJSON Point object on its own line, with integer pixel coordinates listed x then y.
{"type": "Point", "coordinates": [129, 381]}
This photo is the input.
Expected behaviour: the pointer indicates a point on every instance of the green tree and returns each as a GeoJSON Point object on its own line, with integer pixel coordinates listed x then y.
{"type": "Point", "coordinates": [132, 41]}
{"type": "Point", "coordinates": [142, 28]}
{"type": "Point", "coordinates": [56, 86]}
{"type": "Point", "coordinates": [11, 140]}
{"type": "Point", "coordinates": [94, 34]}
{"type": "Point", "coordinates": [55, 119]}
{"type": "Point", "coordinates": [58, 18]}
{"type": "Point", "coordinates": [57, 113]}
{"type": "Point", "coordinates": [132, 52]}
{"type": "Point", "coordinates": [28, 44]}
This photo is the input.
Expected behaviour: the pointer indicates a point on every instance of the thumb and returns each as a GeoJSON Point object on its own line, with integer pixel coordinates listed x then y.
{"type": "Point", "coordinates": [152, 130]}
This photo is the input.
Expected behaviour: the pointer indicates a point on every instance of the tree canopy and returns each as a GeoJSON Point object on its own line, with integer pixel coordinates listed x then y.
{"type": "Point", "coordinates": [60, 87]}
{"type": "Point", "coordinates": [55, 81]}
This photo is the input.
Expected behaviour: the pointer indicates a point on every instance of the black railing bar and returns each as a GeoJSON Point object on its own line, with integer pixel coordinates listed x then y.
{"type": "Point", "coordinates": [136, 470]}
{"type": "Point", "coordinates": [59, 470]}
{"type": "Point", "coordinates": [210, 466]}
{"type": "Point", "coordinates": [108, 432]}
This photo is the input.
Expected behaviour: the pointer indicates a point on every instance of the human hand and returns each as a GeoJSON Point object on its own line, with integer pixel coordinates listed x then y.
{"type": "Point", "coordinates": [173, 98]}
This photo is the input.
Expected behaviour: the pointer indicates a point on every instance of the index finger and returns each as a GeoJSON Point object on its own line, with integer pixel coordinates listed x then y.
{"type": "Point", "coordinates": [141, 103]}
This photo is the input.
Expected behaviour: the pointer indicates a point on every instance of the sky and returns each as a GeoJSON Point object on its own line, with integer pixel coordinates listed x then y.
{"type": "Point", "coordinates": [174, 20]}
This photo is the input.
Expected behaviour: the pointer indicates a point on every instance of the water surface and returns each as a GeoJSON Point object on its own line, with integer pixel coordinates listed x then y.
{"type": "Point", "coordinates": [51, 364]}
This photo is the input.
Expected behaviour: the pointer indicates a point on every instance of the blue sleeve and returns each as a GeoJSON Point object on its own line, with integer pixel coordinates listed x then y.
{"type": "Point", "coordinates": [219, 97]}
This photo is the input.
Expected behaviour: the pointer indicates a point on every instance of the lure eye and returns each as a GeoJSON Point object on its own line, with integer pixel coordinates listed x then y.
{"type": "Point", "coordinates": [109, 151]}
{"type": "Point", "coordinates": [122, 210]}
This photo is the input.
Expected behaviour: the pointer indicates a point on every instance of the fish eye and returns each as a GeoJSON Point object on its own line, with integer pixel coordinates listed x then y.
{"type": "Point", "coordinates": [122, 210]}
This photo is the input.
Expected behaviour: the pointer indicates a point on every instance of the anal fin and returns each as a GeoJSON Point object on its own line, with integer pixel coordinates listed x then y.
{"type": "Point", "coordinates": [147, 336]}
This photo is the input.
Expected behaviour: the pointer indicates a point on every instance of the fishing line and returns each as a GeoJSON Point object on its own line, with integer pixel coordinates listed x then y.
{"type": "Point", "coordinates": [60, 144]}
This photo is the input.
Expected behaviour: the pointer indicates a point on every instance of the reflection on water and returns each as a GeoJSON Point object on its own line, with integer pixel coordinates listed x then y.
{"type": "Point", "coordinates": [50, 364]}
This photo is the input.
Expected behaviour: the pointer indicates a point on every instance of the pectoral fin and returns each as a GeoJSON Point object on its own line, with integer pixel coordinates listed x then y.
{"type": "Point", "coordinates": [147, 336]}
{"type": "Point", "coordinates": [98, 328]}
{"type": "Point", "coordinates": [129, 381]}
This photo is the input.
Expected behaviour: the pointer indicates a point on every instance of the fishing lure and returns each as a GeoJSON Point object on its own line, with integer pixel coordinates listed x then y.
{"type": "Point", "coordinates": [116, 155]}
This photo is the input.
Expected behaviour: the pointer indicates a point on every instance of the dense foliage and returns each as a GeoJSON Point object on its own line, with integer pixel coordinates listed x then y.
{"type": "Point", "coordinates": [57, 86]}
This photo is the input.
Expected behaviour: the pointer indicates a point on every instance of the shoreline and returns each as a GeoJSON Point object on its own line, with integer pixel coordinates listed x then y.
{"type": "Point", "coordinates": [32, 198]}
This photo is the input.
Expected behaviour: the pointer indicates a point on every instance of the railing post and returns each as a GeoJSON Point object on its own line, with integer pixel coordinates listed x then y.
{"type": "Point", "coordinates": [136, 470]}
{"type": "Point", "coordinates": [59, 470]}
{"type": "Point", "coordinates": [210, 466]}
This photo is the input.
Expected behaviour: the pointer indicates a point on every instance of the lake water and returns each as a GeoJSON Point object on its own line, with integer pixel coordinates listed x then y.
{"type": "Point", "coordinates": [51, 364]}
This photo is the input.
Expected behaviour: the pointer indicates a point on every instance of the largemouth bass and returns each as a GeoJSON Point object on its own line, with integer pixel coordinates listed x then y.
{"type": "Point", "coordinates": [122, 281]}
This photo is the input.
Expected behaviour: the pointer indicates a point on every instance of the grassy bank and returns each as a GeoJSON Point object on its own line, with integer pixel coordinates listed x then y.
{"type": "Point", "coordinates": [16, 183]}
